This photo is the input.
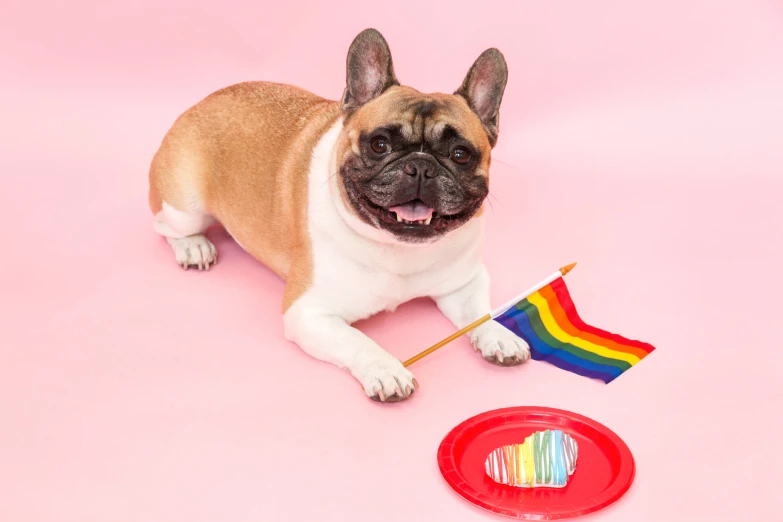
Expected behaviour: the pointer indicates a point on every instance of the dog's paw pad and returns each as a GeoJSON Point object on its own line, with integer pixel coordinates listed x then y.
{"type": "Point", "coordinates": [196, 251]}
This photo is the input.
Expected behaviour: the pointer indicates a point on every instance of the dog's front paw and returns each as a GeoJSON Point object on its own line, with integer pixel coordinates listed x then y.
{"type": "Point", "coordinates": [385, 379]}
{"type": "Point", "coordinates": [499, 345]}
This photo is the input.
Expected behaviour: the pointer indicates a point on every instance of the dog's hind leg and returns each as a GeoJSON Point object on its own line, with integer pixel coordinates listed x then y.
{"type": "Point", "coordinates": [176, 198]}
{"type": "Point", "coordinates": [185, 233]}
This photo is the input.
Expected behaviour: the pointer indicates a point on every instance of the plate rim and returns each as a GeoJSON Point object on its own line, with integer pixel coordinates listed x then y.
{"type": "Point", "coordinates": [452, 476]}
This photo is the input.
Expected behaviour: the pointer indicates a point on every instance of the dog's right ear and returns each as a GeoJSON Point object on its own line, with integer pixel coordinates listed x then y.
{"type": "Point", "coordinates": [369, 70]}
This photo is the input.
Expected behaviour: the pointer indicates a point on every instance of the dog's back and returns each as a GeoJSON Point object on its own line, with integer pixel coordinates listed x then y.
{"type": "Point", "coordinates": [247, 146]}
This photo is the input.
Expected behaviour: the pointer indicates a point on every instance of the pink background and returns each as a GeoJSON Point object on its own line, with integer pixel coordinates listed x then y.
{"type": "Point", "coordinates": [641, 139]}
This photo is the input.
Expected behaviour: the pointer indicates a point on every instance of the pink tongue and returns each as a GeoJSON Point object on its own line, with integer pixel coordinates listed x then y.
{"type": "Point", "coordinates": [415, 211]}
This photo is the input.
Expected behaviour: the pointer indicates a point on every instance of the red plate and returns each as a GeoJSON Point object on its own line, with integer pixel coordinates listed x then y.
{"type": "Point", "coordinates": [604, 469]}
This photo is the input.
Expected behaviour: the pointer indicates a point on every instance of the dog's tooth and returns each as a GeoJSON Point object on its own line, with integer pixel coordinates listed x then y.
{"type": "Point", "coordinates": [399, 219]}
{"type": "Point", "coordinates": [428, 220]}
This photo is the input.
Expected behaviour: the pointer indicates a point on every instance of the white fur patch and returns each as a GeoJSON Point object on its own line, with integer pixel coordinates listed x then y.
{"type": "Point", "coordinates": [170, 222]}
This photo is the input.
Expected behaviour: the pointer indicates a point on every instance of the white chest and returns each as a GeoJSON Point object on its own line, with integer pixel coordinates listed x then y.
{"type": "Point", "coordinates": [361, 282]}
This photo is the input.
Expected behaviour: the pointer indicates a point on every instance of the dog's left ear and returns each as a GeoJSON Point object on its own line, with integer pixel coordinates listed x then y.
{"type": "Point", "coordinates": [369, 70]}
{"type": "Point", "coordinates": [483, 90]}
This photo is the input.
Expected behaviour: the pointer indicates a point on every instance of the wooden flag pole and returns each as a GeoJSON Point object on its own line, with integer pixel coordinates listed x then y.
{"type": "Point", "coordinates": [560, 273]}
{"type": "Point", "coordinates": [447, 340]}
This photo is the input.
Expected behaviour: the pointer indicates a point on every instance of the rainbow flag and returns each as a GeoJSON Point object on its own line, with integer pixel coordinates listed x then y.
{"type": "Point", "coordinates": [548, 321]}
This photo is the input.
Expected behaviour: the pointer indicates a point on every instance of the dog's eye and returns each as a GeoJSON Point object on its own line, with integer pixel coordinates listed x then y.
{"type": "Point", "coordinates": [460, 155]}
{"type": "Point", "coordinates": [380, 145]}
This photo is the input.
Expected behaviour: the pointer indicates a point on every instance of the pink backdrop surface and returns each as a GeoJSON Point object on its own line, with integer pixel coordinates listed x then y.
{"type": "Point", "coordinates": [641, 139]}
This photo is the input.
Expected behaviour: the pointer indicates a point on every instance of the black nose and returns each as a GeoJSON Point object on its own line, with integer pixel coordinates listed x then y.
{"type": "Point", "coordinates": [422, 166]}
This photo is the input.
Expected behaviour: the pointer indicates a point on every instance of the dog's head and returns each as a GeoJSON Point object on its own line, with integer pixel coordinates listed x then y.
{"type": "Point", "coordinates": [411, 164]}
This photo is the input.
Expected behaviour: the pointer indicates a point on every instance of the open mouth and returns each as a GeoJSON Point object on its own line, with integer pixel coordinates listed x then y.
{"type": "Point", "coordinates": [414, 214]}
{"type": "Point", "coordinates": [413, 219]}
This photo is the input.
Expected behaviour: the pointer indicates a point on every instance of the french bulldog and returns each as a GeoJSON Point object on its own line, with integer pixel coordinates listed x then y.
{"type": "Point", "coordinates": [360, 205]}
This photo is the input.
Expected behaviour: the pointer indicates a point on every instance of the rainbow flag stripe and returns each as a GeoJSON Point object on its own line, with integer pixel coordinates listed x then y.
{"type": "Point", "coordinates": [548, 321]}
